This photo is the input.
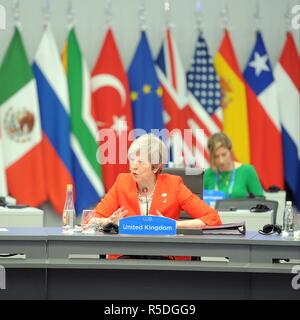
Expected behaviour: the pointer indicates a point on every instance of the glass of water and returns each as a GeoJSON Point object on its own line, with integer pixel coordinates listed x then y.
{"type": "Point", "coordinates": [88, 223]}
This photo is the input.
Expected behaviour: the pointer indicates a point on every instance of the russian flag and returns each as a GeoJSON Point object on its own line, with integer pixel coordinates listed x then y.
{"type": "Point", "coordinates": [263, 115]}
{"type": "Point", "coordinates": [54, 108]}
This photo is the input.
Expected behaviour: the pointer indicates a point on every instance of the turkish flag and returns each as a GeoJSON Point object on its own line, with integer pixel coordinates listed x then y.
{"type": "Point", "coordinates": [111, 109]}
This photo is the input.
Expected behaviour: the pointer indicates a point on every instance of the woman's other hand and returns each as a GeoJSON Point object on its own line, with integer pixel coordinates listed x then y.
{"type": "Point", "coordinates": [117, 215]}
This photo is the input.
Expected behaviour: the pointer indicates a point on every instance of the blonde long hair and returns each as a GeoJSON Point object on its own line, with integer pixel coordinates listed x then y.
{"type": "Point", "coordinates": [215, 142]}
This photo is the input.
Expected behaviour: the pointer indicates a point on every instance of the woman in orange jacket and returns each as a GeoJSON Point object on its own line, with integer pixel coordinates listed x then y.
{"type": "Point", "coordinates": [145, 190]}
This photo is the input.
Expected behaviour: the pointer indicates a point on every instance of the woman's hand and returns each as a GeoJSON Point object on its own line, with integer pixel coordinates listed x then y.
{"type": "Point", "coordinates": [117, 215]}
{"type": "Point", "coordinates": [114, 218]}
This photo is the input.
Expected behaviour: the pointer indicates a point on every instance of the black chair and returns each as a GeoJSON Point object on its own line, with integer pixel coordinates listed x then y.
{"type": "Point", "coordinates": [248, 204]}
{"type": "Point", "coordinates": [192, 178]}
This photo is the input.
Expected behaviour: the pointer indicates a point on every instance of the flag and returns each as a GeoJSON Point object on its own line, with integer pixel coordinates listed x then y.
{"type": "Point", "coordinates": [3, 183]}
{"type": "Point", "coordinates": [181, 109]}
{"type": "Point", "coordinates": [235, 123]}
{"type": "Point", "coordinates": [86, 172]}
{"type": "Point", "coordinates": [145, 89]}
{"type": "Point", "coordinates": [203, 83]}
{"type": "Point", "coordinates": [21, 126]}
{"type": "Point", "coordinates": [263, 115]}
{"type": "Point", "coordinates": [54, 106]}
{"type": "Point", "coordinates": [287, 75]}
{"type": "Point", "coordinates": [111, 109]}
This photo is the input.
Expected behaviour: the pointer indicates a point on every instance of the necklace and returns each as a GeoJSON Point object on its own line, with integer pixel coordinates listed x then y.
{"type": "Point", "coordinates": [144, 196]}
{"type": "Point", "coordinates": [145, 199]}
{"type": "Point", "coordinates": [227, 179]}
{"type": "Point", "coordinates": [224, 178]}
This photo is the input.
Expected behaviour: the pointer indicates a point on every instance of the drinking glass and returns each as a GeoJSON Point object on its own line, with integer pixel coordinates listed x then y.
{"type": "Point", "coordinates": [87, 224]}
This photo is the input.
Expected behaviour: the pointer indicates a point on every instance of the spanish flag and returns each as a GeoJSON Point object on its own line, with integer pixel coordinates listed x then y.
{"type": "Point", "coordinates": [234, 103]}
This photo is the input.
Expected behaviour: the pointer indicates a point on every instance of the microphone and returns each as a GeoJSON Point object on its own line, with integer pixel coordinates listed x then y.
{"type": "Point", "coordinates": [145, 190]}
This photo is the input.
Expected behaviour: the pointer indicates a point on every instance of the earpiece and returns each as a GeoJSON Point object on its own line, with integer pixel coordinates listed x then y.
{"type": "Point", "coordinates": [110, 228]}
{"type": "Point", "coordinates": [260, 208]}
{"type": "Point", "coordinates": [270, 229]}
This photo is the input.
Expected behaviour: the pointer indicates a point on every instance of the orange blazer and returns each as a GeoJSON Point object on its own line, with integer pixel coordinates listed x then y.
{"type": "Point", "coordinates": [170, 197]}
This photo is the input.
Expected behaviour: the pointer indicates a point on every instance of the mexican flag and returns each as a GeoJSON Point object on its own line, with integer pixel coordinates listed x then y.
{"type": "Point", "coordinates": [3, 186]}
{"type": "Point", "coordinates": [20, 126]}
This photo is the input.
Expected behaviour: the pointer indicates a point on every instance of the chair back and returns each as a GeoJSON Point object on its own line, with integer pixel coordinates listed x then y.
{"type": "Point", "coordinates": [193, 181]}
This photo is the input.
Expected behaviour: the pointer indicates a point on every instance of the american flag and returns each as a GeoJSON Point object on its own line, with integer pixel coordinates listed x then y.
{"type": "Point", "coordinates": [204, 84]}
{"type": "Point", "coordinates": [182, 110]}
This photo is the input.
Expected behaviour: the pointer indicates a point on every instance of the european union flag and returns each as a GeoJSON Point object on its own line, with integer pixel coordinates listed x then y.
{"type": "Point", "coordinates": [145, 89]}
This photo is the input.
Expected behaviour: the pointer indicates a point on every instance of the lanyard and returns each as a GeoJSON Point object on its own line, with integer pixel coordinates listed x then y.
{"type": "Point", "coordinates": [232, 178]}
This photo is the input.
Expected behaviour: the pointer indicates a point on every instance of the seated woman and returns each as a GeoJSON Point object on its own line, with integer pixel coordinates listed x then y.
{"type": "Point", "coordinates": [145, 190]}
{"type": "Point", "coordinates": [235, 179]}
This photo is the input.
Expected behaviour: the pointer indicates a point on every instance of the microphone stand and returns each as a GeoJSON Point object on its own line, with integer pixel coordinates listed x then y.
{"type": "Point", "coordinates": [145, 190]}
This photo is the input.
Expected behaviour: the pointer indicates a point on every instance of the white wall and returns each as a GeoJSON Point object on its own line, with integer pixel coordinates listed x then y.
{"type": "Point", "coordinates": [90, 23]}
{"type": "Point", "coordinates": [90, 19]}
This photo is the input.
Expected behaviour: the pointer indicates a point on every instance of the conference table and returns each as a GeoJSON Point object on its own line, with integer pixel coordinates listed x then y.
{"type": "Point", "coordinates": [47, 264]}
{"type": "Point", "coordinates": [21, 217]}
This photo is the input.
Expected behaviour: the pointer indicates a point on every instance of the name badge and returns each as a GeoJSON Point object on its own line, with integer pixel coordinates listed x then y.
{"type": "Point", "coordinates": [211, 196]}
{"type": "Point", "coordinates": [147, 225]}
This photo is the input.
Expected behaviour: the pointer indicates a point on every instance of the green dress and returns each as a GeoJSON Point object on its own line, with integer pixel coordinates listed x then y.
{"type": "Point", "coordinates": [245, 182]}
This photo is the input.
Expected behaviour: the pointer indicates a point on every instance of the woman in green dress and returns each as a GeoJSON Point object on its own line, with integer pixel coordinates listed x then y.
{"type": "Point", "coordinates": [234, 179]}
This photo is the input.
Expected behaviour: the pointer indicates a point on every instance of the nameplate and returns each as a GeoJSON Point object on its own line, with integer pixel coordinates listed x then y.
{"type": "Point", "coordinates": [211, 196]}
{"type": "Point", "coordinates": [147, 225]}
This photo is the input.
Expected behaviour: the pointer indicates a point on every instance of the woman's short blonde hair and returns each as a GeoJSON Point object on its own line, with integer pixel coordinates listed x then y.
{"type": "Point", "coordinates": [217, 141]}
{"type": "Point", "coordinates": [150, 147]}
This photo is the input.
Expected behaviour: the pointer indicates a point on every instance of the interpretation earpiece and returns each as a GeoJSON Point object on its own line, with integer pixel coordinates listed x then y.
{"type": "Point", "coordinates": [270, 229]}
{"type": "Point", "coordinates": [260, 208]}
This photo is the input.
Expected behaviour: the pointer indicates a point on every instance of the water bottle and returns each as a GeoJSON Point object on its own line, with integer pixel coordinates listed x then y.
{"type": "Point", "coordinates": [288, 220]}
{"type": "Point", "coordinates": [69, 214]}
{"type": "Point", "coordinates": [296, 225]}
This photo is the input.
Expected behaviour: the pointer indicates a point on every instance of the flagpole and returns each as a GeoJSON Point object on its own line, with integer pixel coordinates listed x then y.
{"type": "Point", "coordinates": [47, 13]}
{"type": "Point", "coordinates": [16, 14]}
{"type": "Point", "coordinates": [142, 16]}
{"type": "Point", "coordinates": [70, 15]}
{"type": "Point", "coordinates": [108, 14]}
{"type": "Point", "coordinates": [167, 8]}
{"type": "Point", "coordinates": [199, 17]}
{"type": "Point", "coordinates": [225, 17]}
{"type": "Point", "coordinates": [257, 17]}
{"type": "Point", "coordinates": [288, 17]}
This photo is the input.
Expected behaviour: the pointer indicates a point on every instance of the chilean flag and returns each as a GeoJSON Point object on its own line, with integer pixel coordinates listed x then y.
{"type": "Point", "coordinates": [263, 114]}
{"type": "Point", "coordinates": [54, 107]}
{"type": "Point", "coordinates": [287, 74]}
